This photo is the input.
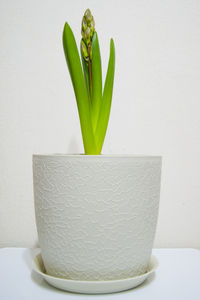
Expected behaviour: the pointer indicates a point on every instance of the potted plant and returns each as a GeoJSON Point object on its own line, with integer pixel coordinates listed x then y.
{"type": "Point", "coordinates": [96, 214]}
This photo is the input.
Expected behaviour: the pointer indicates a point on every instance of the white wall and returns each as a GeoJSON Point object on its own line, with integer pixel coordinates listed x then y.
{"type": "Point", "coordinates": [156, 102]}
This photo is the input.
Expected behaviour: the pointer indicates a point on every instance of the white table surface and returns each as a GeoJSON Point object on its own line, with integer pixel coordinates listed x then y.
{"type": "Point", "coordinates": [177, 277]}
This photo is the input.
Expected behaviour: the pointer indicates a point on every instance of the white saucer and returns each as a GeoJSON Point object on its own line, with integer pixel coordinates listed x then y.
{"type": "Point", "coordinates": [93, 287]}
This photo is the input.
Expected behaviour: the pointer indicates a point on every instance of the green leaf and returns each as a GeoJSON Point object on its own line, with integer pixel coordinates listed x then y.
{"type": "Point", "coordinates": [96, 80]}
{"type": "Point", "coordinates": [78, 81]}
{"type": "Point", "coordinates": [104, 114]}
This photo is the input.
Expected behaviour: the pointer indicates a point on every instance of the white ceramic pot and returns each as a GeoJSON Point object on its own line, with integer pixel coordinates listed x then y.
{"type": "Point", "coordinates": [96, 215]}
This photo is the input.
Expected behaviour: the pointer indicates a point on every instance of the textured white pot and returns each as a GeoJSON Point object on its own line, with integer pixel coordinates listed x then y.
{"type": "Point", "coordinates": [96, 215]}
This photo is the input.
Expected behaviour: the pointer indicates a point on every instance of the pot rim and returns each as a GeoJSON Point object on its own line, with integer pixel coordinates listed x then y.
{"type": "Point", "coordinates": [82, 155]}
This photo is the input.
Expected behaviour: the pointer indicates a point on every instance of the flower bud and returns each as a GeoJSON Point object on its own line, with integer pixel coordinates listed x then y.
{"type": "Point", "coordinates": [88, 16]}
{"type": "Point", "coordinates": [84, 24]}
{"type": "Point", "coordinates": [84, 50]}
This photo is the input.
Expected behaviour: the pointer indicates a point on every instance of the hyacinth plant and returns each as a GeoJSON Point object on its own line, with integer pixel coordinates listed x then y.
{"type": "Point", "coordinates": [93, 100]}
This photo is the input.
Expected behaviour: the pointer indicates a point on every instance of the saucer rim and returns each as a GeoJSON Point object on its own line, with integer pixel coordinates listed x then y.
{"type": "Point", "coordinates": [153, 265]}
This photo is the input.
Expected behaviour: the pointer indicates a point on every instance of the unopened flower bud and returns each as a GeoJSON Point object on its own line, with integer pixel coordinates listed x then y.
{"type": "Point", "coordinates": [88, 16]}
{"type": "Point", "coordinates": [84, 50]}
{"type": "Point", "coordinates": [87, 35]}
{"type": "Point", "coordinates": [84, 24]}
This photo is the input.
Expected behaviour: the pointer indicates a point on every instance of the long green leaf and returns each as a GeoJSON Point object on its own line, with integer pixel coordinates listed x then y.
{"type": "Point", "coordinates": [96, 80]}
{"type": "Point", "coordinates": [76, 73]}
{"type": "Point", "coordinates": [106, 100]}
